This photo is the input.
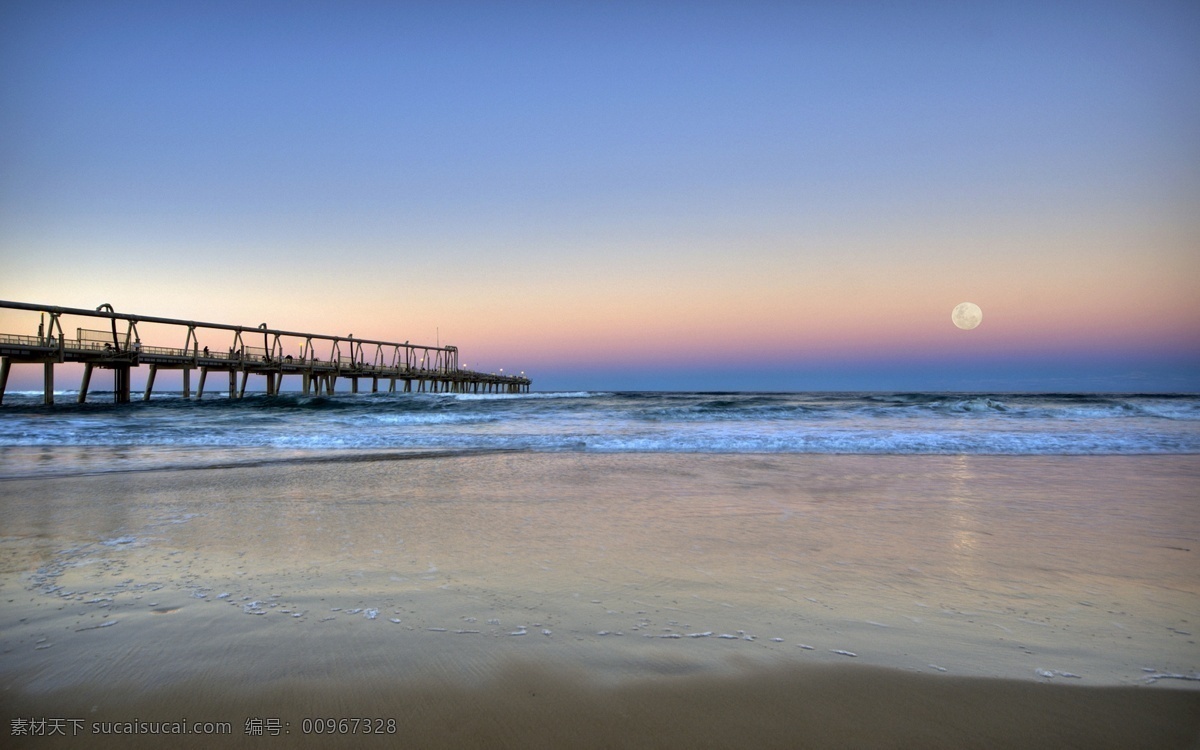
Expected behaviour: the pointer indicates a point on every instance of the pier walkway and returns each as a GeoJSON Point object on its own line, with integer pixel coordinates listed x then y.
{"type": "Point", "coordinates": [319, 360]}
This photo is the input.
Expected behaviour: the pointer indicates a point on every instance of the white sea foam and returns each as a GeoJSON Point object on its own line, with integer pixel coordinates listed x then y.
{"type": "Point", "coordinates": [174, 433]}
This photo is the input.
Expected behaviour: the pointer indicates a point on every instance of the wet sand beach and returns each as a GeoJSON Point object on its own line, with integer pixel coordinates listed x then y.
{"type": "Point", "coordinates": [533, 705]}
{"type": "Point", "coordinates": [546, 600]}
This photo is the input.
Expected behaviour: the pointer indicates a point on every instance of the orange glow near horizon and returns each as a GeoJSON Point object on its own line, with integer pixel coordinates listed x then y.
{"type": "Point", "coordinates": [721, 317]}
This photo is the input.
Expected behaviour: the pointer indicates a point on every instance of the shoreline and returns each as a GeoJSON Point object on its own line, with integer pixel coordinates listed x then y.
{"type": "Point", "coordinates": [159, 459]}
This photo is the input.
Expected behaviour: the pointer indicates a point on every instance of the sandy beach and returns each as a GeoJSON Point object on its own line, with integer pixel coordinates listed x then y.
{"type": "Point", "coordinates": [549, 600]}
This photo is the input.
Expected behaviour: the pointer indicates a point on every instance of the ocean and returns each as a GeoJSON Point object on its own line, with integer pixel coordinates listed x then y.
{"type": "Point", "coordinates": [170, 431]}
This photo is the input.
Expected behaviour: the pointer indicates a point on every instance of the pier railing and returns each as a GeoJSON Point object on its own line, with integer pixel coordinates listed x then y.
{"type": "Point", "coordinates": [120, 348]}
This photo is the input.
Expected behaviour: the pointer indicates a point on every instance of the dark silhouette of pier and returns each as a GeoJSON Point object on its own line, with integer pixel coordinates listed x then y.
{"type": "Point", "coordinates": [320, 360]}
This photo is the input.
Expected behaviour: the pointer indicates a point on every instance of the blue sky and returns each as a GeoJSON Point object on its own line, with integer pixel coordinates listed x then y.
{"type": "Point", "coordinates": [653, 193]}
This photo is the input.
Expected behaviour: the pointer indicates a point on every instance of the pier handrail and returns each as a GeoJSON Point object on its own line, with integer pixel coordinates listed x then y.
{"type": "Point", "coordinates": [134, 318]}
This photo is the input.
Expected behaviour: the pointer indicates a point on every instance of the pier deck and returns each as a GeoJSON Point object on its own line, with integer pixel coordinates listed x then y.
{"type": "Point", "coordinates": [119, 348]}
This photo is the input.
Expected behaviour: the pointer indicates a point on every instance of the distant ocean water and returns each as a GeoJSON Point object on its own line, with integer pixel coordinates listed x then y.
{"type": "Point", "coordinates": [170, 431]}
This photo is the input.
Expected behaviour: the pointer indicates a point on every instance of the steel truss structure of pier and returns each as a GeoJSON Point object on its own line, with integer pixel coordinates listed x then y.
{"type": "Point", "coordinates": [116, 345]}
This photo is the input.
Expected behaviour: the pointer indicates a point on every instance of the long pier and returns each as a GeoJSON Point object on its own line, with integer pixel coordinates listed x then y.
{"type": "Point", "coordinates": [113, 343]}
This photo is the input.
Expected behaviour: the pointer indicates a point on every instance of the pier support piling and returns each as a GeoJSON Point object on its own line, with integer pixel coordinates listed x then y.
{"type": "Point", "coordinates": [5, 363]}
{"type": "Point", "coordinates": [83, 384]}
{"type": "Point", "coordinates": [150, 382]}
{"type": "Point", "coordinates": [121, 384]}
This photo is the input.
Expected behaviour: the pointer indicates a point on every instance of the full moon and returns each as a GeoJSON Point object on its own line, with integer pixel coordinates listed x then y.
{"type": "Point", "coordinates": [967, 315]}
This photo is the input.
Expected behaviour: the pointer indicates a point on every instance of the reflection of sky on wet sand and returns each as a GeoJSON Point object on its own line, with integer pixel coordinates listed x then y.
{"type": "Point", "coordinates": [994, 566]}
{"type": "Point", "coordinates": [961, 503]}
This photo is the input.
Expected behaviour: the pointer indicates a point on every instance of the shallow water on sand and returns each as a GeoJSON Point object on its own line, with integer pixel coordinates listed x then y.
{"type": "Point", "coordinates": [1063, 569]}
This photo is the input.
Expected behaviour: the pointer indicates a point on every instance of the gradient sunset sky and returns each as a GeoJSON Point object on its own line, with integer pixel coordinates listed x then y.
{"type": "Point", "coordinates": [628, 195]}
